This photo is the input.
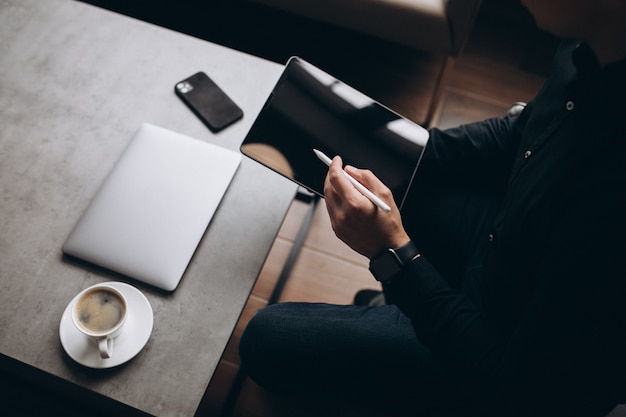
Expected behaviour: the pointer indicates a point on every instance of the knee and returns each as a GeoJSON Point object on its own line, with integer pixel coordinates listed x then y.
{"type": "Point", "coordinates": [260, 346]}
{"type": "Point", "coordinates": [253, 337]}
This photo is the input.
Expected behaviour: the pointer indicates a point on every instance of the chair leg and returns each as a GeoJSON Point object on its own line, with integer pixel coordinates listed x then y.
{"type": "Point", "coordinates": [436, 102]}
{"type": "Point", "coordinates": [295, 249]}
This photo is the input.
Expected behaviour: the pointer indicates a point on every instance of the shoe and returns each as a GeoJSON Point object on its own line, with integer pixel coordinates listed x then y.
{"type": "Point", "coordinates": [369, 298]}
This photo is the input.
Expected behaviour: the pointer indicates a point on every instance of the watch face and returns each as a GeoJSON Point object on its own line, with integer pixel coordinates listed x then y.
{"type": "Point", "coordinates": [385, 266]}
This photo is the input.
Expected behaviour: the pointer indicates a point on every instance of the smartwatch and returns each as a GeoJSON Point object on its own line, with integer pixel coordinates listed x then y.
{"type": "Point", "coordinates": [391, 262]}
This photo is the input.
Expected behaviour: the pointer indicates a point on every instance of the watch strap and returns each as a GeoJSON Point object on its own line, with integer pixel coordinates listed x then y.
{"type": "Point", "coordinates": [406, 253]}
{"type": "Point", "coordinates": [391, 262]}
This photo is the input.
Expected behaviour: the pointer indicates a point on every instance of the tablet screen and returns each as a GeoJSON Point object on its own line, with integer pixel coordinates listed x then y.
{"type": "Point", "coordinates": [309, 109]}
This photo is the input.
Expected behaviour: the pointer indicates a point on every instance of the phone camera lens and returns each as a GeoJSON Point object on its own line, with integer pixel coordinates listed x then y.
{"type": "Point", "coordinates": [184, 87]}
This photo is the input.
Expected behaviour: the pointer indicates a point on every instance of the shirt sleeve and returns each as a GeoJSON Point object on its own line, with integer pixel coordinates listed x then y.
{"type": "Point", "coordinates": [478, 152]}
{"type": "Point", "coordinates": [565, 354]}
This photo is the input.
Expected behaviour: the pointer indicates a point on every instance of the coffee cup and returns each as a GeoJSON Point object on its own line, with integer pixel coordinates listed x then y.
{"type": "Point", "coordinates": [100, 313]}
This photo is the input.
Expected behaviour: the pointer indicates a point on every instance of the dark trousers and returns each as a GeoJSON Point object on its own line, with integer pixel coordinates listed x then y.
{"type": "Point", "coordinates": [372, 353]}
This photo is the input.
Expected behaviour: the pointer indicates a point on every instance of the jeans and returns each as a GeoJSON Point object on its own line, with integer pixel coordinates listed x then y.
{"type": "Point", "coordinates": [371, 353]}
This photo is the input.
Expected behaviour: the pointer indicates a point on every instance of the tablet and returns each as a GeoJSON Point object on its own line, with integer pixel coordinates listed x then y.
{"type": "Point", "coordinates": [310, 109]}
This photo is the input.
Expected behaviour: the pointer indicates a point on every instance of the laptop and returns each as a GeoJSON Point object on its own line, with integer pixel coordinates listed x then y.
{"type": "Point", "coordinates": [310, 109]}
{"type": "Point", "coordinates": [149, 215]}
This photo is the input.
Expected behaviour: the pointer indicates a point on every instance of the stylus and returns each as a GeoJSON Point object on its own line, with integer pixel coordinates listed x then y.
{"type": "Point", "coordinates": [367, 193]}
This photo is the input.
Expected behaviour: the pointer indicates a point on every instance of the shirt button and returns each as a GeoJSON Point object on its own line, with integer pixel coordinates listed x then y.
{"type": "Point", "coordinates": [527, 154]}
{"type": "Point", "coordinates": [569, 105]}
{"type": "Point", "coordinates": [491, 237]}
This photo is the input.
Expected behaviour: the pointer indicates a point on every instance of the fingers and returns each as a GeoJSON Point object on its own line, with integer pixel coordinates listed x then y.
{"type": "Point", "coordinates": [372, 183]}
{"type": "Point", "coordinates": [339, 188]}
{"type": "Point", "coordinates": [338, 180]}
{"type": "Point", "coordinates": [354, 218]}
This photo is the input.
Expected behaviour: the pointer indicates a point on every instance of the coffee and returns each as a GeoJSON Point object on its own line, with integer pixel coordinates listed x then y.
{"type": "Point", "coordinates": [100, 310]}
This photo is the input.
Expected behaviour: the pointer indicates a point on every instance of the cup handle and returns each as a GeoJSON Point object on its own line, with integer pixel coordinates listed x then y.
{"type": "Point", "coordinates": [105, 346]}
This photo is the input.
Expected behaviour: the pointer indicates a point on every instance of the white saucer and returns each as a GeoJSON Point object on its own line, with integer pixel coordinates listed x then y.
{"type": "Point", "coordinates": [126, 346]}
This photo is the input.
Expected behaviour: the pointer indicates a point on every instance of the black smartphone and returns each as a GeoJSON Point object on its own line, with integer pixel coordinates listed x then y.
{"type": "Point", "coordinates": [208, 101]}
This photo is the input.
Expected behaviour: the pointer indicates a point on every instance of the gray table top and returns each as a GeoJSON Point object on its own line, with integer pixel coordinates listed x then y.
{"type": "Point", "coordinates": [75, 83]}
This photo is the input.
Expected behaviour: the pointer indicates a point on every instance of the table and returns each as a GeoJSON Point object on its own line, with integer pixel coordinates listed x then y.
{"type": "Point", "coordinates": [76, 82]}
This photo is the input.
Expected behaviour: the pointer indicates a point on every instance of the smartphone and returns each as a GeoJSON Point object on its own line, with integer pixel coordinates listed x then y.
{"type": "Point", "coordinates": [208, 101]}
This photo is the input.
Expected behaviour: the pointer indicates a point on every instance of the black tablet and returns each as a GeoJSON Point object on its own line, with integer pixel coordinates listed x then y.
{"type": "Point", "coordinates": [310, 109]}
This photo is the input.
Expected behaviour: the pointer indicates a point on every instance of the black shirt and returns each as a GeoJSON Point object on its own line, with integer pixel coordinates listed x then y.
{"type": "Point", "coordinates": [548, 333]}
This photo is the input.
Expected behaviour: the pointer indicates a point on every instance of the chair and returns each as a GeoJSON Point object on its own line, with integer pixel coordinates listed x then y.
{"type": "Point", "coordinates": [439, 27]}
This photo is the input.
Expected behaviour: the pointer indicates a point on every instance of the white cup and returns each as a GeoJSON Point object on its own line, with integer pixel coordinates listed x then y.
{"type": "Point", "coordinates": [100, 313]}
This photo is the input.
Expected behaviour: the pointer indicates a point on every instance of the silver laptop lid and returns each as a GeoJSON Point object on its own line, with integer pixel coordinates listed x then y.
{"type": "Point", "coordinates": [149, 215]}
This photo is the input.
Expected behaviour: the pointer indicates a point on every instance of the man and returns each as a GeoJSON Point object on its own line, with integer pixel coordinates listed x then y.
{"type": "Point", "coordinates": [506, 286]}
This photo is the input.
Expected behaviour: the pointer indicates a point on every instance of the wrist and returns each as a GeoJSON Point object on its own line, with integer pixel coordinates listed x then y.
{"type": "Point", "coordinates": [400, 238]}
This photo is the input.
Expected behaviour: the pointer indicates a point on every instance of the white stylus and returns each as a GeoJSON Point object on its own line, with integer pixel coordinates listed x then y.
{"type": "Point", "coordinates": [367, 193]}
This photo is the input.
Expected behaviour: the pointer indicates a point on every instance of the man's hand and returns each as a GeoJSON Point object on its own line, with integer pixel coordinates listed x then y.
{"type": "Point", "coordinates": [355, 219]}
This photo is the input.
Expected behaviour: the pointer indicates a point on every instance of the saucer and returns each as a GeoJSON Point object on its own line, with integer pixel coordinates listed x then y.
{"type": "Point", "coordinates": [126, 346]}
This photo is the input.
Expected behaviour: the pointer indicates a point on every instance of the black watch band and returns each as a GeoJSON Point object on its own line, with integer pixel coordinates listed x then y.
{"type": "Point", "coordinates": [391, 262]}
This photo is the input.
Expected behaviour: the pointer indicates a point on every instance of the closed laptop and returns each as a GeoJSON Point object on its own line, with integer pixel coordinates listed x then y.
{"type": "Point", "coordinates": [149, 215]}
